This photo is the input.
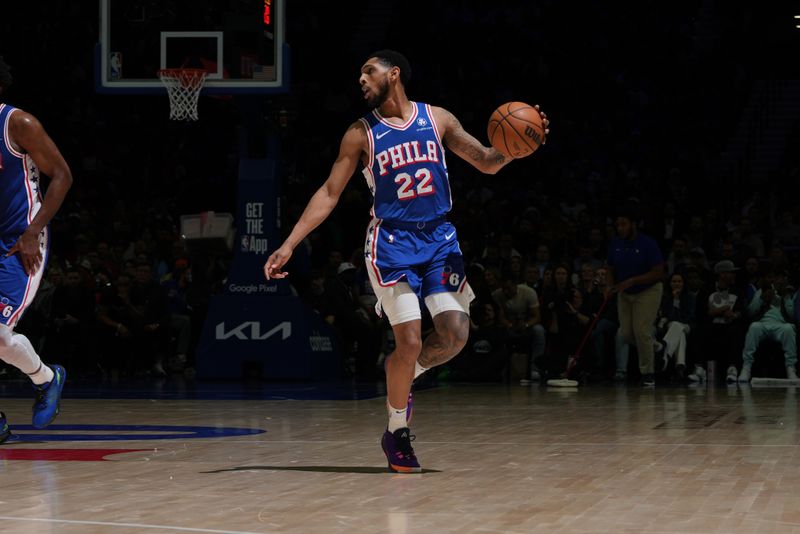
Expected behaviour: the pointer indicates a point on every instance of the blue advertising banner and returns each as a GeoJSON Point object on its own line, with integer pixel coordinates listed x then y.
{"type": "Point", "coordinates": [256, 325]}
{"type": "Point", "coordinates": [257, 229]}
{"type": "Point", "coordinates": [278, 336]}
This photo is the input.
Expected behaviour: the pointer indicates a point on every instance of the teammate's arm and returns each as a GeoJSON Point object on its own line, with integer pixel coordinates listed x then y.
{"type": "Point", "coordinates": [28, 133]}
{"type": "Point", "coordinates": [323, 201]}
{"type": "Point", "coordinates": [485, 159]}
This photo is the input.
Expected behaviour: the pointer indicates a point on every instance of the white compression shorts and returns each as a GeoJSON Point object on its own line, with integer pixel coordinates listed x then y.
{"type": "Point", "coordinates": [401, 304]}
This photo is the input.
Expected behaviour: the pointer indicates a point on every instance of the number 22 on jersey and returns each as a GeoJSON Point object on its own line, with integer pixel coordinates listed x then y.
{"type": "Point", "coordinates": [422, 180]}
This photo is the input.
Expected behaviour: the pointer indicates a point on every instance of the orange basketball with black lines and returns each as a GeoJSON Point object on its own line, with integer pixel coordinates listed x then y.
{"type": "Point", "coordinates": [515, 129]}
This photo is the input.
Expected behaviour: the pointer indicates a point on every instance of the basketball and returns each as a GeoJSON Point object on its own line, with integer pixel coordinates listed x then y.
{"type": "Point", "coordinates": [515, 129]}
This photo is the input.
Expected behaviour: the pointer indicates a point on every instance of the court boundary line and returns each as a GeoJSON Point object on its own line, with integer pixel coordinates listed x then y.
{"type": "Point", "coordinates": [124, 525]}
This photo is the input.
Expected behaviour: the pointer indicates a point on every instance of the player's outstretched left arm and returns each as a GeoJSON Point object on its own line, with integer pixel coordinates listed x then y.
{"type": "Point", "coordinates": [28, 133]}
{"type": "Point", "coordinates": [485, 159]}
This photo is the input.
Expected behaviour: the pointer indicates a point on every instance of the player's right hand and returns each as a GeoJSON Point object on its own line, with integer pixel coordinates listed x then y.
{"type": "Point", "coordinates": [272, 268]}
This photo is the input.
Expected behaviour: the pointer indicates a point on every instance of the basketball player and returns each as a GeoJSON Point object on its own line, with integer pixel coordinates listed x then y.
{"type": "Point", "coordinates": [25, 149]}
{"type": "Point", "coordinates": [411, 250]}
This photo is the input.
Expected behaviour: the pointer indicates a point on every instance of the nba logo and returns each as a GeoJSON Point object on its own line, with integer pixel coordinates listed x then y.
{"type": "Point", "coordinates": [115, 64]}
{"type": "Point", "coordinates": [245, 243]}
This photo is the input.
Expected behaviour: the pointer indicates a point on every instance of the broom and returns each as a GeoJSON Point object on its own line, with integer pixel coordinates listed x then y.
{"type": "Point", "coordinates": [564, 381]}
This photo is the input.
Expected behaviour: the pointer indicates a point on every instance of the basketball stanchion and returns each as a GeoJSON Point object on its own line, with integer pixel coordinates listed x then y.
{"type": "Point", "coordinates": [183, 87]}
{"type": "Point", "coordinates": [564, 381]}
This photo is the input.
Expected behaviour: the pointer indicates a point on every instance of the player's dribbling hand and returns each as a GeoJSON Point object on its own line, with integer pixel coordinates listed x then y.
{"type": "Point", "coordinates": [30, 255]}
{"type": "Point", "coordinates": [272, 268]}
{"type": "Point", "coordinates": [545, 122]}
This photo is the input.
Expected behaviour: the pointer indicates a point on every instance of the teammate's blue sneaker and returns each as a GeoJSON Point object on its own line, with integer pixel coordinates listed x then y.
{"type": "Point", "coordinates": [5, 432]}
{"type": "Point", "coordinates": [399, 453]}
{"type": "Point", "coordinates": [48, 398]}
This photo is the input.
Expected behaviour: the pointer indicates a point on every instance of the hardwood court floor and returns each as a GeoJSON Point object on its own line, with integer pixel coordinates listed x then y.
{"type": "Point", "coordinates": [497, 459]}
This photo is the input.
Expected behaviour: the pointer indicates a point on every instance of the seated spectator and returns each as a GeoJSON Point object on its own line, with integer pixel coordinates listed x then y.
{"type": "Point", "coordinates": [750, 280]}
{"type": "Point", "coordinates": [566, 330]}
{"type": "Point", "coordinates": [698, 259]}
{"type": "Point", "coordinates": [177, 286]}
{"type": "Point", "coordinates": [117, 316]}
{"type": "Point", "coordinates": [675, 320]}
{"type": "Point", "coordinates": [554, 298]}
{"type": "Point", "coordinates": [151, 332]}
{"type": "Point", "coordinates": [667, 227]}
{"type": "Point", "coordinates": [492, 279]}
{"type": "Point", "coordinates": [786, 232]}
{"type": "Point", "coordinates": [515, 271]}
{"type": "Point", "coordinates": [587, 281]}
{"type": "Point", "coordinates": [678, 255]}
{"type": "Point", "coordinates": [532, 279]}
{"type": "Point", "coordinates": [545, 282]}
{"type": "Point", "coordinates": [607, 326]}
{"type": "Point", "coordinates": [485, 357]}
{"type": "Point", "coordinates": [518, 307]}
{"type": "Point", "coordinates": [746, 239]}
{"type": "Point", "coordinates": [694, 282]}
{"type": "Point", "coordinates": [316, 297]}
{"type": "Point", "coordinates": [357, 335]}
{"type": "Point", "coordinates": [73, 310]}
{"type": "Point", "coordinates": [542, 261]}
{"type": "Point", "coordinates": [777, 260]}
{"type": "Point", "coordinates": [727, 251]}
{"type": "Point", "coordinates": [506, 250]}
{"type": "Point", "coordinates": [772, 314]}
{"type": "Point", "coordinates": [584, 258]}
{"type": "Point", "coordinates": [724, 327]}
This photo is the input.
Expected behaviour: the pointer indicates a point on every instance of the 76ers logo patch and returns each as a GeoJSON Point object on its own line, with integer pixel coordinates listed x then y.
{"type": "Point", "coordinates": [453, 272]}
{"type": "Point", "coordinates": [7, 308]}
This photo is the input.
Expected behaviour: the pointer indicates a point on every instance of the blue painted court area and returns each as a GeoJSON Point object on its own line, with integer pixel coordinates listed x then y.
{"type": "Point", "coordinates": [179, 388]}
{"type": "Point", "coordinates": [128, 432]}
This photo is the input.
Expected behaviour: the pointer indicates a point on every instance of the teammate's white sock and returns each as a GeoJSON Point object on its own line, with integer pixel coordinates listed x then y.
{"type": "Point", "coordinates": [18, 351]}
{"type": "Point", "coordinates": [397, 418]}
{"type": "Point", "coordinates": [43, 375]}
{"type": "Point", "coordinates": [418, 370]}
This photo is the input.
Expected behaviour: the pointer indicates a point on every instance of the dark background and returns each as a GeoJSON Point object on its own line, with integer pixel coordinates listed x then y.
{"type": "Point", "coordinates": [681, 103]}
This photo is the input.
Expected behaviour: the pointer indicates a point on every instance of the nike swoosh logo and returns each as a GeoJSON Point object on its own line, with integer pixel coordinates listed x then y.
{"type": "Point", "coordinates": [378, 136]}
{"type": "Point", "coordinates": [451, 234]}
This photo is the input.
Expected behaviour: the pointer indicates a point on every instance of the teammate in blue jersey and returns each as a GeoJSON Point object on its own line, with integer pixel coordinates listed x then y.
{"type": "Point", "coordinates": [411, 250]}
{"type": "Point", "coordinates": [25, 149]}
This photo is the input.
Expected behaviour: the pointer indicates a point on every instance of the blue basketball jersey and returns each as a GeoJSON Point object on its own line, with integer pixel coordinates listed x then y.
{"type": "Point", "coordinates": [20, 198]}
{"type": "Point", "coordinates": [406, 172]}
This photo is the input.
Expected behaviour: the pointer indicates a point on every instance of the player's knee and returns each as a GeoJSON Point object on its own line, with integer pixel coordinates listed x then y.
{"type": "Point", "coordinates": [408, 345]}
{"type": "Point", "coordinates": [459, 337]}
{"type": "Point", "coordinates": [456, 334]}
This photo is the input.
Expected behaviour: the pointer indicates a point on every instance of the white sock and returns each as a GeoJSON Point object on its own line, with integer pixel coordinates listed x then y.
{"type": "Point", "coordinates": [418, 369]}
{"type": "Point", "coordinates": [397, 418]}
{"type": "Point", "coordinates": [43, 375]}
{"type": "Point", "coordinates": [20, 353]}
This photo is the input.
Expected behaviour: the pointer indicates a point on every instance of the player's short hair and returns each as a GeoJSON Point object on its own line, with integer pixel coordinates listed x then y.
{"type": "Point", "coordinates": [5, 74]}
{"type": "Point", "coordinates": [391, 58]}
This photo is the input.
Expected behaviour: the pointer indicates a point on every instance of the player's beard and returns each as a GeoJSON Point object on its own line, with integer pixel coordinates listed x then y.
{"type": "Point", "coordinates": [377, 100]}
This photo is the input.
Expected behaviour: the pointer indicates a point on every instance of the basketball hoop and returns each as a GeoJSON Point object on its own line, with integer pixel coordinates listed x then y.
{"type": "Point", "coordinates": [183, 87]}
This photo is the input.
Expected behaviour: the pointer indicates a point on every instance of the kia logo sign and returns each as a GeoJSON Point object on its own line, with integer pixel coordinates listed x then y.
{"type": "Point", "coordinates": [251, 330]}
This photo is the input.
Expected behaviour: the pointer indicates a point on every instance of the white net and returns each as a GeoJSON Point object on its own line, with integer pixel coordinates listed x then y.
{"type": "Point", "coordinates": [183, 87]}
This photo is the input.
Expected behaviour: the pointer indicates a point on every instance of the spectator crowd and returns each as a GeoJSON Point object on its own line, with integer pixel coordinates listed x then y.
{"type": "Point", "coordinates": [122, 296]}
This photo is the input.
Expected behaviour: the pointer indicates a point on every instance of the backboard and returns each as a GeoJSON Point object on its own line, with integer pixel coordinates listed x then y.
{"type": "Point", "coordinates": [239, 42]}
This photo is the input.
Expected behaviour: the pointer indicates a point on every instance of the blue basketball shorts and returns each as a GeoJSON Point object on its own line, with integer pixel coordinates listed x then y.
{"type": "Point", "coordinates": [409, 263]}
{"type": "Point", "coordinates": [17, 289]}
